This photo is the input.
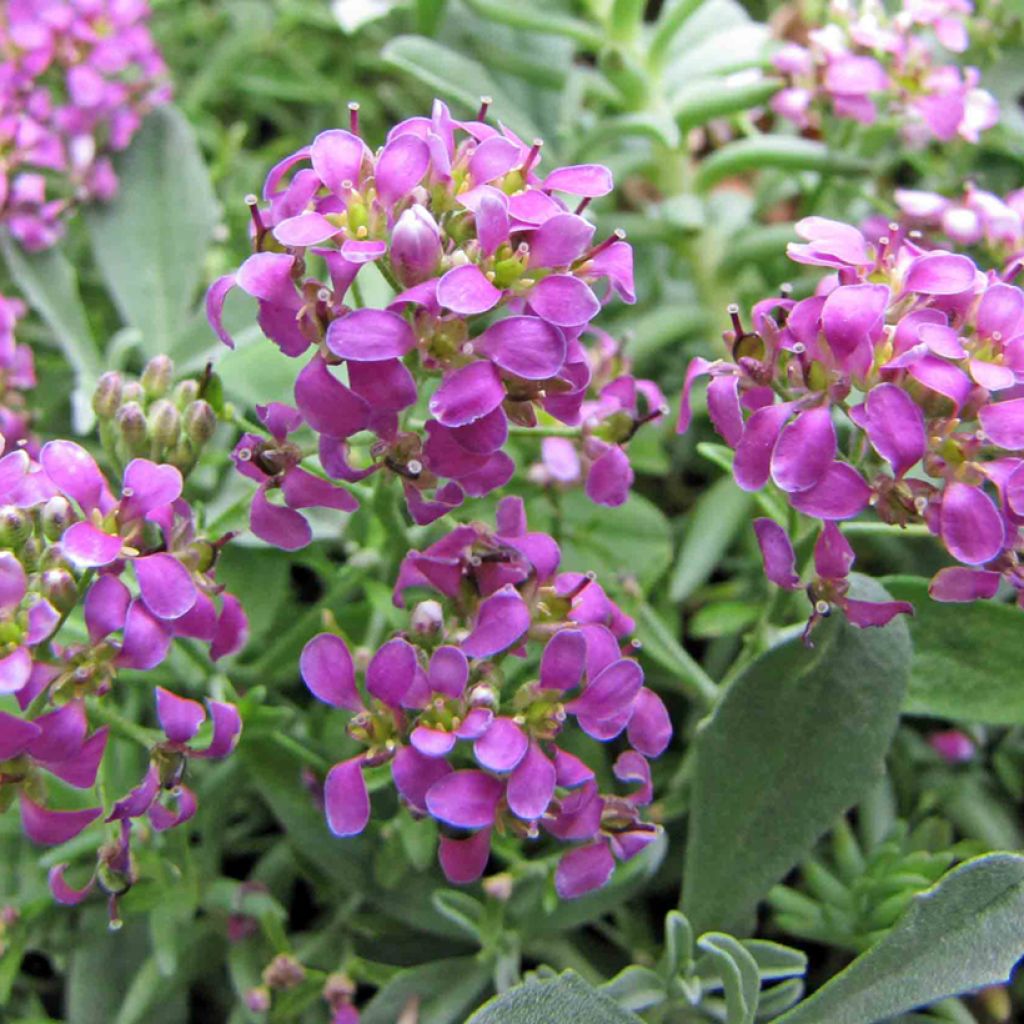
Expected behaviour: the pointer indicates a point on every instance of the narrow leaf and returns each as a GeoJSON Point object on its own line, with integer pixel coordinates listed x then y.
{"type": "Point", "coordinates": [566, 999]}
{"type": "Point", "coordinates": [774, 152]}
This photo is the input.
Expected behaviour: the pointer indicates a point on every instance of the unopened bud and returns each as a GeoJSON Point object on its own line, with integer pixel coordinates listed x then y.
{"type": "Point", "coordinates": [258, 999]}
{"type": "Point", "coordinates": [132, 392]}
{"type": "Point", "coordinates": [484, 695]}
{"type": "Point", "coordinates": [164, 423]}
{"type": "Point", "coordinates": [427, 618]}
{"type": "Point", "coordinates": [107, 396]}
{"type": "Point", "coordinates": [284, 972]}
{"type": "Point", "coordinates": [182, 456]}
{"type": "Point", "coordinates": [186, 392]}
{"type": "Point", "coordinates": [131, 423]}
{"type": "Point", "coordinates": [58, 586]}
{"type": "Point", "coordinates": [15, 526]}
{"type": "Point", "coordinates": [200, 422]}
{"type": "Point", "coordinates": [415, 246]}
{"type": "Point", "coordinates": [157, 376]}
{"type": "Point", "coordinates": [57, 517]}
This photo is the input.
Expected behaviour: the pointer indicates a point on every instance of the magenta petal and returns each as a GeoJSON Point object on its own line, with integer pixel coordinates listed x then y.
{"type": "Point", "coordinates": [492, 220]}
{"type": "Point", "coordinates": [448, 672]}
{"type": "Point", "coordinates": [650, 728]}
{"type": "Point", "coordinates": [64, 893]}
{"type": "Point", "coordinates": [590, 181]}
{"type": "Point", "coordinates": [356, 252]}
{"type": "Point", "coordinates": [464, 860]}
{"type": "Point", "coordinates": [468, 394]}
{"type": "Point", "coordinates": [414, 774]}
{"type": "Point", "coordinates": [524, 345]}
{"type": "Point", "coordinates": [50, 828]}
{"type": "Point", "coordinates": [941, 377]}
{"type": "Point", "coordinates": [833, 556]}
{"type": "Point", "coordinates": [79, 770]}
{"type": "Point", "coordinates": [180, 718]}
{"type": "Point", "coordinates": [465, 799]}
{"type": "Point", "coordinates": [165, 584]}
{"type": "Point", "coordinates": [13, 582]}
{"type": "Point", "coordinates": [232, 628]}
{"type": "Point", "coordinates": [777, 552]}
{"type": "Point", "coordinates": [1000, 311]}
{"type": "Point", "coordinates": [485, 435]}
{"type": "Point", "coordinates": [493, 158]}
{"type": "Point", "coordinates": [304, 490]}
{"type": "Point", "coordinates": [15, 670]}
{"type": "Point", "coordinates": [956, 583]}
{"type": "Point", "coordinates": [632, 767]}
{"type": "Point", "coordinates": [940, 273]}
{"type": "Point", "coordinates": [724, 408]}
{"type": "Point", "coordinates": [61, 733]}
{"type": "Point", "coordinates": [326, 404]}
{"type": "Point", "coordinates": [283, 527]}
{"type": "Point", "coordinates": [138, 800]}
{"type": "Point", "coordinates": [804, 451]}
{"type": "Point", "coordinates": [105, 607]}
{"type": "Point", "coordinates": [563, 660]}
{"type": "Point", "coordinates": [583, 870]}
{"type": "Point", "coordinates": [370, 335]}
{"type": "Point", "coordinates": [465, 290]}
{"type": "Point", "coordinates": [531, 786]}
{"type": "Point", "coordinates": [475, 724]}
{"type": "Point", "coordinates": [500, 621]}
{"type": "Point", "coordinates": [400, 167]}
{"type": "Point", "coordinates": [337, 157]}
{"type": "Point", "coordinates": [146, 639]}
{"type": "Point", "coordinates": [42, 621]}
{"type": "Point", "coordinates": [1003, 423]}
{"type": "Point", "coordinates": [384, 385]}
{"type": "Point", "coordinates": [604, 707]}
{"type": "Point", "coordinates": [752, 465]}
{"type": "Point", "coordinates": [875, 613]}
{"type": "Point", "coordinates": [564, 300]}
{"type": "Point", "coordinates": [345, 798]}
{"type": "Point", "coordinates": [610, 477]}
{"type": "Point", "coordinates": [432, 742]}
{"type": "Point", "coordinates": [86, 546]}
{"type": "Point", "coordinates": [215, 297]}
{"type": "Point", "coordinates": [304, 230]}
{"type": "Point", "coordinates": [75, 472]}
{"type": "Point", "coordinates": [327, 669]}
{"type": "Point", "coordinates": [970, 524]}
{"type": "Point", "coordinates": [840, 494]}
{"type": "Point", "coordinates": [697, 367]}
{"type": "Point", "coordinates": [391, 671]}
{"type": "Point", "coordinates": [162, 818]}
{"type": "Point", "coordinates": [559, 241]}
{"type": "Point", "coordinates": [852, 319]}
{"type": "Point", "coordinates": [570, 771]}
{"type": "Point", "coordinates": [148, 486]}
{"type": "Point", "coordinates": [227, 727]}
{"type": "Point", "coordinates": [502, 747]}
{"type": "Point", "coordinates": [895, 427]}
{"type": "Point", "coordinates": [15, 735]}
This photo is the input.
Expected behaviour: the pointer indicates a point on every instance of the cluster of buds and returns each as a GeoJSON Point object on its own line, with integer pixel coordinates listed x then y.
{"type": "Point", "coordinates": [17, 375]}
{"type": "Point", "coordinates": [918, 357]}
{"type": "Point", "coordinates": [866, 61]}
{"type": "Point", "coordinates": [154, 418]}
{"type": "Point", "coordinates": [496, 280]}
{"type": "Point", "coordinates": [139, 574]}
{"type": "Point", "coordinates": [471, 720]}
{"type": "Point", "coordinates": [616, 406]}
{"type": "Point", "coordinates": [76, 79]}
{"type": "Point", "coordinates": [977, 219]}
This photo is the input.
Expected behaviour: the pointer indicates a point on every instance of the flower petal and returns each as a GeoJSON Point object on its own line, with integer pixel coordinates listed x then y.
{"type": "Point", "coordinates": [50, 828]}
{"type": "Point", "coordinates": [895, 427]}
{"type": "Point", "coordinates": [465, 799]}
{"type": "Point", "coordinates": [414, 774]}
{"type": "Point", "coordinates": [804, 451]}
{"type": "Point", "coordinates": [563, 660]}
{"type": "Point", "coordinates": [502, 747]}
{"type": "Point", "coordinates": [531, 786]}
{"type": "Point", "coordinates": [464, 860]}
{"type": "Point", "coordinates": [346, 800]}
{"type": "Point", "coordinates": [165, 584]}
{"type": "Point", "coordinates": [327, 668]}
{"type": "Point", "coordinates": [179, 717]}
{"type": "Point", "coordinates": [466, 291]}
{"type": "Point", "coordinates": [1003, 423]}
{"type": "Point", "coordinates": [564, 300]}
{"type": "Point", "coordinates": [650, 728]}
{"type": "Point", "coordinates": [840, 494]}
{"type": "Point", "coordinates": [527, 346]}
{"type": "Point", "coordinates": [970, 524]}
{"type": "Point", "coordinates": [468, 394]}
{"type": "Point", "coordinates": [752, 465]}
{"type": "Point", "coordinates": [583, 870]}
{"type": "Point", "coordinates": [370, 335]}
{"type": "Point", "coordinates": [500, 621]}
{"type": "Point", "coordinates": [391, 671]}
{"type": "Point", "coordinates": [777, 553]}
{"type": "Point", "coordinates": [956, 583]}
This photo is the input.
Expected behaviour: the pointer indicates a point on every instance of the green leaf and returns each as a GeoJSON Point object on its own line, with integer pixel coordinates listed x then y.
{"type": "Point", "coordinates": [777, 152]}
{"type": "Point", "coordinates": [798, 737]}
{"type": "Point", "coordinates": [537, 20]}
{"type": "Point", "coordinates": [738, 971]}
{"type": "Point", "coordinates": [961, 935]}
{"type": "Point", "coordinates": [49, 283]}
{"type": "Point", "coordinates": [445, 990]}
{"type": "Point", "coordinates": [455, 77]}
{"type": "Point", "coordinates": [702, 101]}
{"type": "Point", "coordinates": [149, 242]}
{"type": "Point", "coordinates": [635, 988]}
{"type": "Point", "coordinates": [566, 999]}
{"type": "Point", "coordinates": [966, 657]}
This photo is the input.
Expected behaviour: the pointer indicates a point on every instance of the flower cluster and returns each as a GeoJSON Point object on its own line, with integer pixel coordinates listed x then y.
{"type": "Point", "coordinates": [68, 547]}
{"type": "Point", "coordinates": [76, 78]}
{"type": "Point", "coordinates": [913, 358]}
{"type": "Point", "coordinates": [472, 731]}
{"type": "Point", "coordinates": [978, 218]}
{"type": "Point", "coordinates": [17, 375]}
{"type": "Point", "coordinates": [865, 61]}
{"type": "Point", "coordinates": [497, 278]}
{"type": "Point", "coordinates": [152, 417]}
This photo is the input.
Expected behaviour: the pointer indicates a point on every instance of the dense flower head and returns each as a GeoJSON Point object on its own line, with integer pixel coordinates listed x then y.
{"type": "Point", "coordinates": [866, 63]}
{"type": "Point", "coordinates": [503, 655]}
{"type": "Point", "coordinates": [895, 389]}
{"type": "Point", "coordinates": [76, 79]}
{"type": "Point", "coordinates": [496, 277]}
{"type": "Point", "coordinates": [132, 566]}
{"type": "Point", "coordinates": [17, 375]}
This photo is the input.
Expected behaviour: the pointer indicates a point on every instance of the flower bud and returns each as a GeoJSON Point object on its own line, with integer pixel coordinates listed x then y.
{"type": "Point", "coordinates": [58, 586]}
{"type": "Point", "coordinates": [415, 246]}
{"type": "Point", "coordinates": [107, 396]}
{"type": "Point", "coordinates": [185, 392]}
{"type": "Point", "coordinates": [57, 517]}
{"type": "Point", "coordinates": [132, 392]}
{"type": "Point", "coordinates": [157, 376]}
{"type": "Point", "coordinates": [182, 456]}
{"type": "Point", "coordinates": [131, 422]}
{"type": "Point", "coordinates": [15, 527]}
{"type": "Point", "coordinates": [164, 423]}
{"type": "Point", "coordinates": [427, 618]}
{"type": "Point", "coordinates": [200, 422]}
{"type": "Point", "coordinates": [284, 972]}
{"type": "Point", "coordinates": [258, 999]}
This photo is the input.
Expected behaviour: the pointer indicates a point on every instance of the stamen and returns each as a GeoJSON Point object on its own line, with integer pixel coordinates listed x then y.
{"type": "Point", "coordinates": [588, 578]}
{"type": "Point", "coordinates": [734, 315]}
{"type": "Point", "coordinates": [583, 204]}
{"type": "Point", "coordinates": [531, 157]}
{"type": "Point", "coordinates": [257, 219]}
{"type": "Point", "coordinates": [485, 105]}
{"type": "Point", "coordinates": [353, 118]}
{"type": "Point", "coordinates": [618, 235]}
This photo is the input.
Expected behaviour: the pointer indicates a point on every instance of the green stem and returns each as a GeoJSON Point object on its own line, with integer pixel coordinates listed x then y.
{"type": "Point", "coordinates": [694, 682]}
{"type": "Point", "coordinates": [106, 714]}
